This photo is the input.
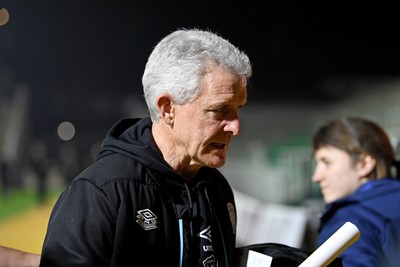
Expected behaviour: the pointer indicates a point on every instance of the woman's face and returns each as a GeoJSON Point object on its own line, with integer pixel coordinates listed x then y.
{"type": "Point", "coordinates": [337, 175]}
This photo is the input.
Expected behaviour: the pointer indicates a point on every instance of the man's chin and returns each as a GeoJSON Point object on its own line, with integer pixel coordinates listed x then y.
{"type": "Point", "coordinates": [217, 162]}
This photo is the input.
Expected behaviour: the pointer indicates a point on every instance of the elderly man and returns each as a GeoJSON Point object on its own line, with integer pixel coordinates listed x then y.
{"type": "Point", "coordinates": [154, 194]}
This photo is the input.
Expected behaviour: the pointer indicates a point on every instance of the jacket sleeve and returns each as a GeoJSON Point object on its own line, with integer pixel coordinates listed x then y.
{"type": "Point", "coordinates": [80, 230]}
{"type": "Point", "coordinates": [366, 250]}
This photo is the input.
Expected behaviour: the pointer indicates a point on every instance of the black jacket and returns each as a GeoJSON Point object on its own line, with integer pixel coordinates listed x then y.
{"type": "Point", "coordinates": [131, 208]}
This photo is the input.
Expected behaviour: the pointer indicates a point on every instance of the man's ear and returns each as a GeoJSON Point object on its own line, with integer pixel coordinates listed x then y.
{"type": "Point", "coordinates": [166, 108]}
{"type": "Point", "coordinates": [366, 165]}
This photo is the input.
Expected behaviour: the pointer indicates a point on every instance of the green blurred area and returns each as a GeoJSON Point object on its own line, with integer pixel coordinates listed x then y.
{"type": "Point", "coordinates": [19, 200]}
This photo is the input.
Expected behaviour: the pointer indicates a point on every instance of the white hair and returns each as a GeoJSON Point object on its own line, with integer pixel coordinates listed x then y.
{"type": "Point", "coordinates": [178, 63]}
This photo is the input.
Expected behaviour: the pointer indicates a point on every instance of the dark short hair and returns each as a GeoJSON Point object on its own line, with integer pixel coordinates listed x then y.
{"type": "Point", "coordinates": [358, 136]}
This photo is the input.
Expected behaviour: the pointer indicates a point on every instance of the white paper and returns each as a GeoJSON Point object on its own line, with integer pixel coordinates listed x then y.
{"type": "Point", "coordinates": [344, 237]}
{"type": "Point", "coordinates": [256, 259]}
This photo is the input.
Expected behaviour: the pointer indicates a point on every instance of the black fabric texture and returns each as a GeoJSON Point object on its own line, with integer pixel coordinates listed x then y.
{"type": "Point", "coordinates": [283, 255]}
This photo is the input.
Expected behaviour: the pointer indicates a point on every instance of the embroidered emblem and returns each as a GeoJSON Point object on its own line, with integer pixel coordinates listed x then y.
{"type": "Point", "coordinates": [146, 219]}
{"type": "Point", "coordinates": [210, 262]}
{"type": "Point", "coordinates": [206, 233]}
{"type": "Point", "coordinates": [232, 216]}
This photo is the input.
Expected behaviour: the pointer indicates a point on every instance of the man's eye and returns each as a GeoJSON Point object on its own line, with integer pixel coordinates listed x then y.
{"type": "Point", "coordinates": [217, 110]}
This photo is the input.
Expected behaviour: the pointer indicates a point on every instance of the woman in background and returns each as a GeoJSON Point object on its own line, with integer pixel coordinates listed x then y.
{"type": "Point", "coordinates": [354, 170]}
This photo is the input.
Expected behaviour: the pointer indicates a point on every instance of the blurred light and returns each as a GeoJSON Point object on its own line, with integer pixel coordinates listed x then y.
{"type": "Point", "coordinates": [66, 131]}
{"type": "Point", "coordinates": [4, 16]}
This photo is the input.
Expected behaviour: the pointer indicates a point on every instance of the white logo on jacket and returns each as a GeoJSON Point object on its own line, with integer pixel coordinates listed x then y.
{"type": "Point", "coordinates": [210, 262]}
{"type": "Point", "coordinates": [206, 233]}
{"type": "Point", "coordinates": [146, 219]}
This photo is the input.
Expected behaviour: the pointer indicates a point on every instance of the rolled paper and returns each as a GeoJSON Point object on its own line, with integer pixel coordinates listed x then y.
{"type": "Point", "coordinates": [344, 237]}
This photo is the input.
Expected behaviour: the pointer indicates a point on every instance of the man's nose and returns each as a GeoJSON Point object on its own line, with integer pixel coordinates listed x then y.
{"type": "Point", "coordinates": [233, 124]}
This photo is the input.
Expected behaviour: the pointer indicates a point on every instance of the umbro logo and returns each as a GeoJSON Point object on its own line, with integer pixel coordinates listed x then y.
{"type": "Point", "coordinates": [146, 219]}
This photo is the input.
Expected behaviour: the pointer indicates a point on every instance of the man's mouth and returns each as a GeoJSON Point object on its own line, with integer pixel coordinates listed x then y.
{"type": "Point", "coordinates": [219, 145]}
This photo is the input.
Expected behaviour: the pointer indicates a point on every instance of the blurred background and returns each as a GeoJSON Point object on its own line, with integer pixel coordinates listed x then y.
{"type": "Point", "coordinates": [71, 69]}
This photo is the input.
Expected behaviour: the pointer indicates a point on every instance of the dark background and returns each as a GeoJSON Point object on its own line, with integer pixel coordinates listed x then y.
{"type": "Point", "coordinates": [81, 59]}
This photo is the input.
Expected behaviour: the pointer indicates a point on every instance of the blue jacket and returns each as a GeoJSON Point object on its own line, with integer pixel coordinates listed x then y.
{"type": "Point", "coordinates": [375, 209]}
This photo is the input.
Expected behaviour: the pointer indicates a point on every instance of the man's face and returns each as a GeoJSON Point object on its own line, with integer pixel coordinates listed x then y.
{"type": "Point", "coordinates": [204, 128]}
